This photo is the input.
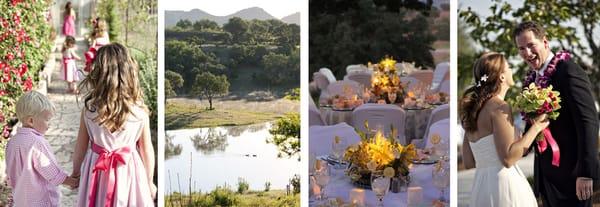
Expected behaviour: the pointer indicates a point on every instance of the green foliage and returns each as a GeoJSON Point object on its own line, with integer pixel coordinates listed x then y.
{"type": "Point", "coordinates": [24, 47]}
{"type": "Point", "coordinates": [280, 68]}
{"type": "Point", "coordinates": [173, 80]}
{"type": "Point", "coordinates": [293, 94]}
{"type": "Point", "coordinates": [184, 24]}
{"type": "Point", "coordinates": [210, 86]}
{"type": "Point", "coordinates": [188, 61]}
{"type": "Point", "coordinates": [285, 134]}
{"type": "Point", "coordinates": [110, 11]}
{"type": "Point", "coordinates": [561, 21]}
{"type": "Point", "coordinates": [243, 186]}
{"type": "Point", "coordinates": [205, 24]}
{"type": "Point", "coordinates": [238, 28]}
{"type": "Point", "coordinates": [350, 32]}
{"type": "Point", "coordinates": [295, 182]}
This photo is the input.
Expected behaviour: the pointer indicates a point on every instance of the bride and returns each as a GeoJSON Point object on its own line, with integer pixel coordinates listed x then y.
{"type": "Point", "coordinates": [490, 143]}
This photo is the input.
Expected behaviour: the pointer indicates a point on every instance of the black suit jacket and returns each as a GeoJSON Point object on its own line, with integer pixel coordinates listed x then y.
{"type": "Point", "coordinates": [576, 133]}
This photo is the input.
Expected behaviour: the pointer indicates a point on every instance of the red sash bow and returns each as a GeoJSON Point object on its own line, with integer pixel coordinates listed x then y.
{"type": "Point", "coordinates": [108, 163]}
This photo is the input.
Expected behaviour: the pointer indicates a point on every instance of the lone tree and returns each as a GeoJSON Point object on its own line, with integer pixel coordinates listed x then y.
{"type": "Point", "coordinates": [210, 86]}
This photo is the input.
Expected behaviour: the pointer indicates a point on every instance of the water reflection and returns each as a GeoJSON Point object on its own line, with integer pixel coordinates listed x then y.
{"type": "Point", "coordinates": [170, 148]}
{"type": "Point", "coordinates": [213, 141]}
{"type": "Point", "coordinates": [236, 131]}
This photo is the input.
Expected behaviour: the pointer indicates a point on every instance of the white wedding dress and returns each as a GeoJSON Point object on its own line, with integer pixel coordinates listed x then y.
{"type": "Point", "coordinates": [494, 184]}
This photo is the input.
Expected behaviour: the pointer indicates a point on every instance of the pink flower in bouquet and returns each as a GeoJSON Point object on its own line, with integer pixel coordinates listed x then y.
{"type": "Point", "coordinates": [5, 76]}
{"type": "Point", "coordinates": [5, 132]}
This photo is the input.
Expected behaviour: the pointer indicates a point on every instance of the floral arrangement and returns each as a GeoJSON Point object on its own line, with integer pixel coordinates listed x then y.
{"type": "Point", "coordinates": [24, 46]}
{"type": "Point", "coordinates": [385, 81]}
{"type": "Point", "coordinates": [535, 101]}
{"type": "Point", "coordinates": [378, 153]}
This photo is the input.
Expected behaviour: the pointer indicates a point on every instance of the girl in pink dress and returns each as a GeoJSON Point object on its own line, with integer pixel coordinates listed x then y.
{"type": "Point", "coordinates": [113, 154]}
{"type": "Point", "coordinates": [70, 72]}
{"type": "Point", "coordinates": [69, 20]}
{"type": "Point", "coordinates": [99, 38]}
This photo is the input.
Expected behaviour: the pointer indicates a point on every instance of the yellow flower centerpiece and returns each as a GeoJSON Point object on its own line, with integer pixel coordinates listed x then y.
{"type": "Point", "coordinates": [385, 81]}
{"type": "Point", "coordinates": [377, 153]}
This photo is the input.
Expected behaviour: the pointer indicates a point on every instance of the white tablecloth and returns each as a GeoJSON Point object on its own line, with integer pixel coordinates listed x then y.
{"type": "Point", "coordinates": [340, 185]}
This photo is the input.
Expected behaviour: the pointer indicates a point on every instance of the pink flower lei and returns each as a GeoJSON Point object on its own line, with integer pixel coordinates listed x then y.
{"type": "Point", "coordinates": [544, 80]}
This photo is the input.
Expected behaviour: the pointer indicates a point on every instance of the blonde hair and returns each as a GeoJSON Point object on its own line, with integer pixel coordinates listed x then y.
{"type": "Point", "coordinates": [32, 104]}
{"type": "Point", "coordinates": [112, 87]}
{"type": "Point", "coordinates": [100, 28]}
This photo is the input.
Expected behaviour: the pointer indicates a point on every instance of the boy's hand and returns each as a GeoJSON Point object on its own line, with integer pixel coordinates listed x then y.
{"type": "Point", "coordinates": [72, 182]}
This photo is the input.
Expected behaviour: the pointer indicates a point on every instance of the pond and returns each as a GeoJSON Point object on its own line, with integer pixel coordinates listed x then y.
{"type": "Point", "coordinates": [221, 155]}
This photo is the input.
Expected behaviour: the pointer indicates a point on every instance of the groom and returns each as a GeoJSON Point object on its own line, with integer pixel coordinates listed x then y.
{"type": "Point", "coordinates": [575, 130]}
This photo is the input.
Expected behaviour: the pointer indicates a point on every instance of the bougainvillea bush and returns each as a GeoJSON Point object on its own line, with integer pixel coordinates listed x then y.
{"type": "Point", "coordinates": [24, 47]}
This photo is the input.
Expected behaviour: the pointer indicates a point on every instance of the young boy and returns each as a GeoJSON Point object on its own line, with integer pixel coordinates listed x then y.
{"type": "Point", "coordinates": [32, 170]}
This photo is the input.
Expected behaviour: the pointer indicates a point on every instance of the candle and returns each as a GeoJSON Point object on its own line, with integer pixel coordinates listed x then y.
{"type": "Point", "coordinates": [357, 197]}
{"type": "Point", "coordinates": [415, 195]}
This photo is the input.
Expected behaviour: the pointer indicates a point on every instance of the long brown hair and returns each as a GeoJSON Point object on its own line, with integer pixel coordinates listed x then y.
{"type": "Point", "coordinates": [112, 87]}
{"type": "Point", "coordinates": [68, 8]}
{"type": "Point", "coordinates": [491, 65]}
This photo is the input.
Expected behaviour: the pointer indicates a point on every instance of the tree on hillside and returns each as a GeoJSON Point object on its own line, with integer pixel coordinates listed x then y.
{"type": "Point", "coordinates": [205, 24]}
{"type": "Point", "coordinates": [286, 134]}
{"type": "Point", "coordinates": [561, 20]}
{"type": "Point", "coordinates": [189, 60]}
{"type": "Point", "coordinates": [173, 81]}
{"type": "Point", "coordinates": [238, 28]}
{"type": "Point", "coordinates": [210, 86]}
{"type": "Point", "coordinates": [184, 24]}
{"type": "Point", "coordinates": [276, 69]}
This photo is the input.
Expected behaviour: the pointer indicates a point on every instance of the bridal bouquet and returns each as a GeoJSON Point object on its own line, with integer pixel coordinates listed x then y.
{"type": "Point", "coordinates": [378, 153]}
{"type": "Point", "coordinates": [535, 101]}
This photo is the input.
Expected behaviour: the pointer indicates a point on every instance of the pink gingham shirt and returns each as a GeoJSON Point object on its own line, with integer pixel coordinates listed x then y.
{"type": "Point", "coordinates": [32, 170]}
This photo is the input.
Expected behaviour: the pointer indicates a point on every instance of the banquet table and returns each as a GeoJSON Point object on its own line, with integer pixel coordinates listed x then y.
{"type": "Point", "coordinates": [415, 123]}
{"type": "Point", "coordinates": [340, 186]}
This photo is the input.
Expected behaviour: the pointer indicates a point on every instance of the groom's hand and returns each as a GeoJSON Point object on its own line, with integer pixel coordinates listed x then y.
{"type": "Point", "coordinates": [584, 188]}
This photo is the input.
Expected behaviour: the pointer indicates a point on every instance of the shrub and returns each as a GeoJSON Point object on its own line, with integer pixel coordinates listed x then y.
{"type": "Point", "coordinates": [243, 186]}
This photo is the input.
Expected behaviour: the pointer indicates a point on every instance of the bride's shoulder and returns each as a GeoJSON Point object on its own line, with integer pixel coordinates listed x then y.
{"type": "Point", "coordinates": [497, 106]}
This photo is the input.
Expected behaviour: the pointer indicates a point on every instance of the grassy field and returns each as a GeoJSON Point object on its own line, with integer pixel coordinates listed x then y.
{"type": "Point", "coordinates": [224, 197]}
{"type": "Point", "coordinates": [192, 113]}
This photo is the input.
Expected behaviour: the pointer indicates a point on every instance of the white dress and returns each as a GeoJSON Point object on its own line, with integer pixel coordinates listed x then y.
{"type": "Point", "coordinates": [494, 184]}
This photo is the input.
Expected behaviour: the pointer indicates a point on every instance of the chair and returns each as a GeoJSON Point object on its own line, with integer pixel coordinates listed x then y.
{"type": "Point", "coordinates": [380, 116]}
{"type": "Point", "coordinates": [439, 113]}
{"type": "Point", "coordinates": [361, 77]}
{"type": "Point", "coordinates": [337, 88]}
{"type": "Point", "coordinates": [355, 68]}
{"type": "Point", "coordinates": [410, 82]}
{"type": "Point", "coordinates": [425, 76]}
{"type": "Point", "coordinates": [445, 87]}
{"type": "Point", "coordinates": [321, 137]}
{"type": "Point", "coordinates": [328, 74]}
{"type": "Point", "coordinates": [441, 128]}
{"type": "Point", "coordinates": [438, 74]}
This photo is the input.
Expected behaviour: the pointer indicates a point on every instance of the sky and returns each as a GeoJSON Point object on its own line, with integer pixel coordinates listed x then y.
{"type": "Point", "coordinates": [277, 8]}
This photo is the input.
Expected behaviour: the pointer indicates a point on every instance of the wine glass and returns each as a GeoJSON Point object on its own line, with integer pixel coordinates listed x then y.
{"type": "Point", "coordinates": [380, 185]}
{"type": "Point", "coordinates": [322, 179]}
{"type": "Point", "coordinates": [441, 180]}
{"type": "Point", "coordinates": [337, 149]}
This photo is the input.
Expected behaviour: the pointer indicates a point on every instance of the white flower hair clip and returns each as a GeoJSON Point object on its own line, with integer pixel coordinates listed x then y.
{"type": "Point", "coordinates": [482, 79]}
